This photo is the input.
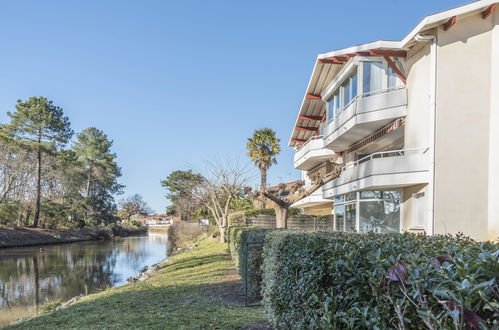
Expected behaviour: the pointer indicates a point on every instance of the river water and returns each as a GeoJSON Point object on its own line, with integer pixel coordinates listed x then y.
{"type": "Point", "coordinates": [32, 276]}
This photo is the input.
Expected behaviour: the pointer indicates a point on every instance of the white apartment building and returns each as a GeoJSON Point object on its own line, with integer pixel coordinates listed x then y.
{"type": "Point", "coordinates": [415, 126]}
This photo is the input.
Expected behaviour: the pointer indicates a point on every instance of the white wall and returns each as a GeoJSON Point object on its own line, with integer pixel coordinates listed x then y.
{"type": "Point", "coordinates": [462, 127]}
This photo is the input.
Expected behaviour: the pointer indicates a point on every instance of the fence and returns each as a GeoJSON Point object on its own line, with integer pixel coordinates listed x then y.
{"type": "Point", "coordinates": [294, 222]}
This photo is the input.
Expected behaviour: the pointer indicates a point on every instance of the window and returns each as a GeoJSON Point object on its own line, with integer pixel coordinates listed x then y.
{"type": "Point", "coordinates": [350, 89]}
{"type": "Point", "coordinates": [381, 216]}
{"type": "Point", "coordinates": [370, 211]}
{"type": "Point", "coordinates": [393, 79]}
{"type": "Point", "coordinates": [372, 73]}
{"type": "Point", "coordinates": [339, 217]}
{"type": "Point", "coordinates": [334, 106]}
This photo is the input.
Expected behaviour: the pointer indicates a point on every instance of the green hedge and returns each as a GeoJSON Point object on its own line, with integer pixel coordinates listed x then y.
{"type": "Point", "coordinates": [246, 247]}
{"type": "Point", "coordinates": [326, 280]}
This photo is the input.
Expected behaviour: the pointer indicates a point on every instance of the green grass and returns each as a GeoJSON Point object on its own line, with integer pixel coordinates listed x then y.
{"type": "Point", "coordinates": [184, 294]}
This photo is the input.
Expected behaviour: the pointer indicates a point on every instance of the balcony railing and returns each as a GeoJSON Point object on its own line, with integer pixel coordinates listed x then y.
{"type": "Point", "coordinates": [392, 168]}
{"type": "Point", "coordinates": [385, 154]}
{"type": "Point", "coordinates": [312, 138]}
{"type": "Point", "coordinates": [363, 116]}
{"type": "Point", "coordinates": [311, 153]}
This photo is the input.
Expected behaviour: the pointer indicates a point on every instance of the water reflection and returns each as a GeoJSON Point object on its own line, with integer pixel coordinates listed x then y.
{"type": "Point", "coordinates": [32, 276]}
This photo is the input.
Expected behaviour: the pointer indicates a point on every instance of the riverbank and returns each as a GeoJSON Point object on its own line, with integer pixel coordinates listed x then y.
{"type": "Point", "coordinates": [25, 236]}
{"type": "Point", "coordinates": [194, 289]}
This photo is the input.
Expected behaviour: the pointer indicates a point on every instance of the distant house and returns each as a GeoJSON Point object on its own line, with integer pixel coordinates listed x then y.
{"type": "Point", "coordinates": [281, 191]}
{"type": "Point", "coordinates": [157, 219]}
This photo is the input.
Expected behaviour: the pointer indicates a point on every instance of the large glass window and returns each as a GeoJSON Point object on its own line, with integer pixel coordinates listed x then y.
{"type": "Point", "coordinates": [393, 79]}
{"type": "Point", "coordinates": [350, 215]}
{"type": "Point", "coordinates": [334, 105]}
{"type": "Point", "coordinates": [339, 217]}
{"type": "Point", "coordinates": [370, 211]}
{"type": "Point", "coordinates": [379, 216]}
{"type": "Point", "coordinates": [350, 89]}
{"type": "Point", "coordinates": [372, 73]}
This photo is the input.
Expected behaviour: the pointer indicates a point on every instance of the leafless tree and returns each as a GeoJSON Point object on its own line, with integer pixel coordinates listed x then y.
{"type": "Point", "coordinates": [223, 182]}
{"type": "Point", "coordinates": [296, 193]}
{"type": "Point", "coordinates": [133, 205]}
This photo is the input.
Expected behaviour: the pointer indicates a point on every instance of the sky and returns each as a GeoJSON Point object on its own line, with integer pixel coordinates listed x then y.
{"type": "Point", "coordinates": [176, 83]}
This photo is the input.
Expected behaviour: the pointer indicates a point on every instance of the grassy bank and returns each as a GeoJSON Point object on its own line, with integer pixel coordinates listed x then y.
{"type": "Point", "coordinates": [196, 289]}
{"type": "Point", "coordinates": [24, 236]}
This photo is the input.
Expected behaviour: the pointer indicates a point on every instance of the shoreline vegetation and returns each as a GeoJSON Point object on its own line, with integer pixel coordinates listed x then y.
{"type": "Point", "coordinates": [201, 279]}
{"type": "Point", "coordinates": [25, 236]}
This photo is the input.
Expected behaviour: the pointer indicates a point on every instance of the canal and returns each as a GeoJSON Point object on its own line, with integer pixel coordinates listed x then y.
{"type": "Point", "coordinates": [33, 276]}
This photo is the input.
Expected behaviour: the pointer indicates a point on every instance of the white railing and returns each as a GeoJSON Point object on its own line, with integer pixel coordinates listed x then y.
{"type": "Point", "coordinates": [346, 106]}
{"type": "Point", "coordinates": [315, 137]}
{"type": "Point", "coordinates": [386, 154]}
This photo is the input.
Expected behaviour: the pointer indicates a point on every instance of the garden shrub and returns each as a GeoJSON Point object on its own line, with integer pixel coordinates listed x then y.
{"type": "Point", "coordinates": [322, 280]}
{"type": "Point", "coordinates": [246, 247]}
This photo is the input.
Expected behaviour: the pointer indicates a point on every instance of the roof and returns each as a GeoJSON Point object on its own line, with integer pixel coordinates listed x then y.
{"type": "Point", "coordinates": [312, 109]}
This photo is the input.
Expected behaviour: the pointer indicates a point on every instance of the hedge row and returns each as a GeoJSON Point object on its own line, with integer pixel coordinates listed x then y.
{"type": "Point", "coordinates": [324, 280]}
{"type": "Point", "coordinates": [246, 248]}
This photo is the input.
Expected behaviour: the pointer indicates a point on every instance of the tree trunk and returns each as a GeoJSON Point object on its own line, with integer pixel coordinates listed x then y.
{"type": "Point", "coordinates": [38, 187]}
{"type": "Point", "coordinates": [263, 178]}
{"type": "Point", "coordinates": [281, 216]}
{"type": "Point", "coordinates": [222, 234]}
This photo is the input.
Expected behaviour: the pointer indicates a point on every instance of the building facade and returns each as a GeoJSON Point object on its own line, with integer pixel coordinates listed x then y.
{"type": "Point", "coordinates": [415, 126]}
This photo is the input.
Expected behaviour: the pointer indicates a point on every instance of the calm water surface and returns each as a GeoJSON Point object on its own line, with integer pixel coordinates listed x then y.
{"type": "Point", "coordinates": [32, 276]}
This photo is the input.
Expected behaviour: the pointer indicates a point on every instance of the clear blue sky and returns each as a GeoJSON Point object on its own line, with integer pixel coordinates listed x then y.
{"type": "Point", "coordinates": [176, 82]}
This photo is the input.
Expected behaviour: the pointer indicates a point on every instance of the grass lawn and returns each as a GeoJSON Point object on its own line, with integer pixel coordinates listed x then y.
{"type": "Point", "coordinates": [195, 289]}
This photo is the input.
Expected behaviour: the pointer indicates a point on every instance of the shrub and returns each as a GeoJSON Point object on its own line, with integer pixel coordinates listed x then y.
{"type": "Point", "coordinates": [237, 218]}
{"type": "Point", "coordinates": [323, 280]}
{"type": "Point", "coordinates": [246, 246]}
{"type": "Point", "coordinates": [180, 233]}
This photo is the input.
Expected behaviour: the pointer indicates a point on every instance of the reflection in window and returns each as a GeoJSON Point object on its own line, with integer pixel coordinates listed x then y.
{"type": "Point", "coordinates": [379, 216]}
{"type": "Point", "coordinates": [380, 194]}
{"type": "Point", "coordinates": [339, 217]}
{"type": "Point", "coordinates": [350, 215]}
{"type": "Point", "coordinates": [372, 77]}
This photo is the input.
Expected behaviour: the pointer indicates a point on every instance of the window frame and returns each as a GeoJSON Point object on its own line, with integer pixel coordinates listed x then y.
{"type": "Point", "coordinates": [357, 202]}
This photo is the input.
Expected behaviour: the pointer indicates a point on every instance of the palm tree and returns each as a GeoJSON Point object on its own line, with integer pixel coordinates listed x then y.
{"type": "Point", "coordinates": [262, 148]}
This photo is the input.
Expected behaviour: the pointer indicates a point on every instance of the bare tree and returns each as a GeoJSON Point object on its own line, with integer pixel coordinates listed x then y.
{"type": "Point", "coordinates": [223, 183]}
{"type": "Point", "coordinates": [133, 205]}
{"type": "Point", "coordinates": [297, 192]}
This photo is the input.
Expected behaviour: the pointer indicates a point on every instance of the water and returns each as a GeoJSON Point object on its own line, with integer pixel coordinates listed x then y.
{"type": "Point", "coordinates": [32, 276]}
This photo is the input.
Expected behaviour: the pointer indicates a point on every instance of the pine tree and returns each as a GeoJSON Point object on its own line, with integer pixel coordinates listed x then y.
{"type": "Point", "coordinates": [41, 128]}
{"type": "Point", "coordinates": [100, 171]}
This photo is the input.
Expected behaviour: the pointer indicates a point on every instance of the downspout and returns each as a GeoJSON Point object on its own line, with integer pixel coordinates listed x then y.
{"type": "Point", "coordinates": [432, 126]}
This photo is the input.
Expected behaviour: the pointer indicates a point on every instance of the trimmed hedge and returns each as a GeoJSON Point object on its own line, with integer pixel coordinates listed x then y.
{"type": "Point", "coordinates": [246, 247]}
{"type": "Point", "coordinates": [326, 280]}
{"type": "Point", "coordinates": [235, 242]}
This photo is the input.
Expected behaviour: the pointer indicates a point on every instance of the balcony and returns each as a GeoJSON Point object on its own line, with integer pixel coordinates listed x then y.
{"type": "Point", "coordinates": [311, 154]}
{"type": "Point", "coordinates": [364, 116]}
{"type": "Point", "coordinates": [380, 170]}
{"type": "Point", "coordinates": [313, 200]}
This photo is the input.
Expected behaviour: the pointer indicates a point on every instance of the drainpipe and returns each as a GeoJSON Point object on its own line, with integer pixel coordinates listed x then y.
{"type": "Point", "coordinates": [432, 125]}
